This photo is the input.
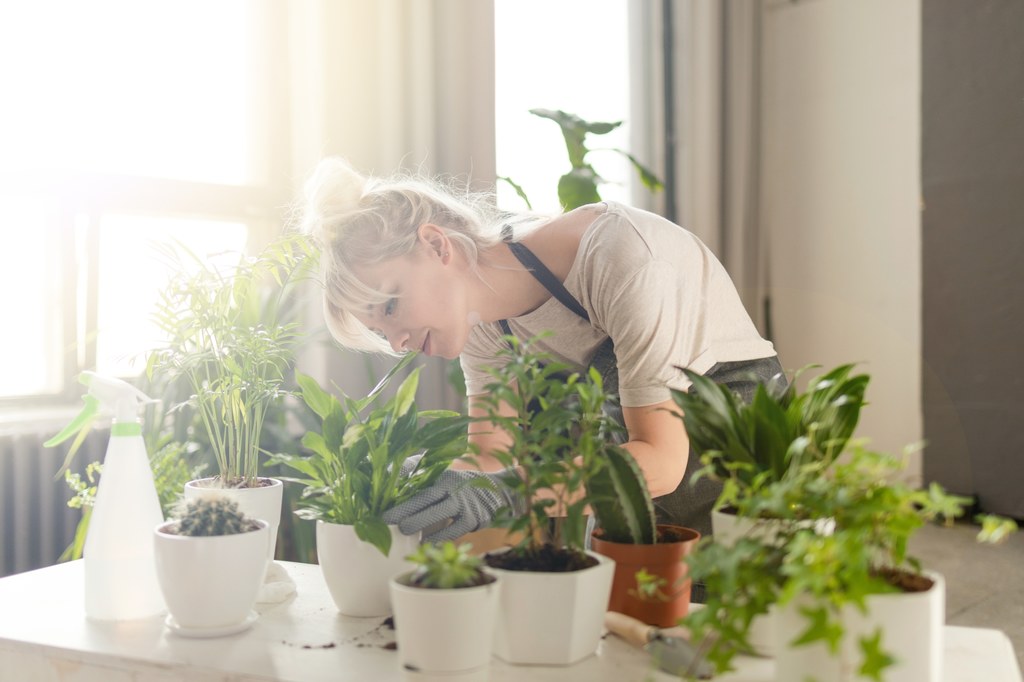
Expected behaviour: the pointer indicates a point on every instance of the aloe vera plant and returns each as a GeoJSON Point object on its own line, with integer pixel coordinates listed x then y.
{"type": "Point", "coordinates": [355, 470]}
{"type": "Point", "coordinates": [621, 501]}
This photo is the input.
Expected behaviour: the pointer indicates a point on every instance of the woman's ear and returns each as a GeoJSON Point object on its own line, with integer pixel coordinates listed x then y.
{"type": "Point", "coordinates": [434, 238]}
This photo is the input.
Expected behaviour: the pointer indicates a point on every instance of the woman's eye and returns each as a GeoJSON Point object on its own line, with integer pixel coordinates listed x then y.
{"type": "Point", "coordinates": [390, 306]}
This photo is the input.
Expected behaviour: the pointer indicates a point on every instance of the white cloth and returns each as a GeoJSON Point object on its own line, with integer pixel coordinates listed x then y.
{"type": "Point", "coordinates": [277, 585]}
{"type": "Point", "coordinates": [655, 289]}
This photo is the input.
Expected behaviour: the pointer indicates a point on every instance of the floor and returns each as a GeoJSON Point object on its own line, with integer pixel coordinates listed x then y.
{"type": "Point", "coordinates": [984, 583]}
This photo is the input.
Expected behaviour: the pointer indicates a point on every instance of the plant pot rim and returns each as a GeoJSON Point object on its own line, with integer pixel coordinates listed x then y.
{"type": "Point", "coordinates": [397, 581]}
{"type": "Point", "coordinates": [160, 530]}
{"type": "Point", "coordinates": [199, 483]}
{"type": "Point", "coordinates": [696, 536]}
{"type": "Point", "coordinates": [601, 560]}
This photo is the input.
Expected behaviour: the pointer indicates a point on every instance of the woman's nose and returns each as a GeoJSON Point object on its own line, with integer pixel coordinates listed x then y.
{"type": "Point", "coordinates": [398, 341]}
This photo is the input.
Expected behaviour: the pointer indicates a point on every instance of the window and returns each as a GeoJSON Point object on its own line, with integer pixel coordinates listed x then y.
{"type": "Point", "coordinates": [125, 124]}
{"type": "Point", "coordinates": [570, 55]}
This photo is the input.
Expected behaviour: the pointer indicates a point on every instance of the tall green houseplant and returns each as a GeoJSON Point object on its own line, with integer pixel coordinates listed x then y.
{"type": "Point", "coordinates": [233, 337]}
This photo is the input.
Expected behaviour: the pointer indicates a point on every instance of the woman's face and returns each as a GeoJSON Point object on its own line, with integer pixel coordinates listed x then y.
{"type": "Point", "coordinates": [426, 306]}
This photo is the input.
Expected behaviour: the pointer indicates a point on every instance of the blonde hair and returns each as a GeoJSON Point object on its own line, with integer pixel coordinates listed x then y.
{"type": "Point", "coordinates": [361, 221]}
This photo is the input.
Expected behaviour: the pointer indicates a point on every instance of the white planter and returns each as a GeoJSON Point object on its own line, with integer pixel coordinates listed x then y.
{"type": "Point", "coordinates": [444, 631]}
{"type": "Point", "coordinates": [258, 503]}
{"type": "Point", "coordinates": [911, 624]}
{"type": "Point", "coordinates": [210, 583]}
{"type": "Point", "coordinates": [727, 529]}
{"type": "Point", "coordinates": [356, 573]}
{"type": "Point", "coordinates": [552, 618]}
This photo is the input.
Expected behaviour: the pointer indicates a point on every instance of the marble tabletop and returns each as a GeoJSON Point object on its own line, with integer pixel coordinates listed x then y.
{"type": "Point", "coordinates": [45, 636]}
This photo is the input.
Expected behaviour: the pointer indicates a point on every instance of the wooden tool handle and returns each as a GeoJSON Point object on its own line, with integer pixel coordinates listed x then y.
{"type": "Point", "coordinates": [628, 628]}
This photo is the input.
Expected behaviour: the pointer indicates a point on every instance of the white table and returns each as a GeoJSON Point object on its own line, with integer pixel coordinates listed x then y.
{"type": "Point", "coordinates": [45, 636]}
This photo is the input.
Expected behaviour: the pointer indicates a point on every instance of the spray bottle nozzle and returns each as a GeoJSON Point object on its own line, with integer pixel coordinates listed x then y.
{"type": "Point", "coordinates": [106, 394]}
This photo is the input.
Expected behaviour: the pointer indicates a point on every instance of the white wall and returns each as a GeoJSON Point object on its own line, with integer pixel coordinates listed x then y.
{"type": "Point", "coordinates": [841, 197]}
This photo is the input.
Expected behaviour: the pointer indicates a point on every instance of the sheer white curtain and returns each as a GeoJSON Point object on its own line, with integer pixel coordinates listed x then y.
{"type": "Point", "coordinates": [697, 96]}
{"type": "Point", "coordinates": [392, 84]}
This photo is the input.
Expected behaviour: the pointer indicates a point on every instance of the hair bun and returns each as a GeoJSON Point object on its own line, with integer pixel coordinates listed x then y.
{"type": "Point", "coordinates": [333, 190]}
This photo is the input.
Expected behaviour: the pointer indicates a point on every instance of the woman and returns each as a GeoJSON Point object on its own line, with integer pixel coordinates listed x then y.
{"type": "Point", "coordinates": [411, 266]}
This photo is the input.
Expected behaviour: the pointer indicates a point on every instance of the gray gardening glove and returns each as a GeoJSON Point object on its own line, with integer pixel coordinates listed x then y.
{"type": "Point", "coordinates": [454, 501]}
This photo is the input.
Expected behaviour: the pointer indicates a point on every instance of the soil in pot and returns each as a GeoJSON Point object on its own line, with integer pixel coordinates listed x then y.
{"type": "Point", "coordinates": [905, 581]}
{"type": "Point", "coordinates": [544, 559]}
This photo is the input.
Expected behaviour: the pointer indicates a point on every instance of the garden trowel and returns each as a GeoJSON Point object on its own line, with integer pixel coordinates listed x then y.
{"type": "Point", "coordinates": [674, 655]}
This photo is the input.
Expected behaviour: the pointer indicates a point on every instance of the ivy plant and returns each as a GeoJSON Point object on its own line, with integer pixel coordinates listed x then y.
{"type": "Point", "coordinates": [875, 515]}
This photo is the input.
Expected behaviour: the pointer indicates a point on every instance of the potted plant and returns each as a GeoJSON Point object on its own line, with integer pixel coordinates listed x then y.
{"type": "Point", "coordinates": [445, 610]}
{"type": "Point", "coordinates": [579, 186]}
{"type": "Point", "coordinates": [232, 339]}
{"type": "Point", "coordinates": [852, 604]}
{"type": "Point", "coordinates": [210, 561]}
{"type": "Point", "coordinates": [362, 463]}
{"type": "Point", "coordinates": [651, 581]}
{"type": "Point", "coordinates": [747, 446]}
{"type": "Point", "coordinates": [554, 592]}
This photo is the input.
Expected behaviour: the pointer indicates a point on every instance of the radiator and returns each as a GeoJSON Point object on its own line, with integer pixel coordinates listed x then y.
{"type": "Point", "coordinates": [36, 525]}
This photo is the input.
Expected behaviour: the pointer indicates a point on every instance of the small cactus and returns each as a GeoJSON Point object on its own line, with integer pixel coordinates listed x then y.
{"type": "Point", "coordinates": [204, 516]}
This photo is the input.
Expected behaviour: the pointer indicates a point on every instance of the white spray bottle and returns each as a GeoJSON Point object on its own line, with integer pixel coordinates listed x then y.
{"type": "Point", "coordinates": [120, 570]}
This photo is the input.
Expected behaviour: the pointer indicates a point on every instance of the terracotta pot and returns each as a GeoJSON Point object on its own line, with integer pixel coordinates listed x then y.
{"type": "Point", "coordinates": [665, 561]}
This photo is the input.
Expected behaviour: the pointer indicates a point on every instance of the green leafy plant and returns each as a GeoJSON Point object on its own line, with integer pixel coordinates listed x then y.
{"type": "Point", "coordinates": [620, 499]}
{"type": "Point", "coordinates": [211, 515]}
{"type": "Point", "coordinates": [558, 434]}
{"type": "Point", "coordinates": [747, 446]}
{"type": "Point", "coordinates": [875, 515]}
{"type": "Point", "coordinates": [354, 472]}
{"type": "Point", "coordinates": [579, 186]}
{"type": "Point", "coordinates": [446, 567]}
{"type": "Point", "coordinates": [232, 340]}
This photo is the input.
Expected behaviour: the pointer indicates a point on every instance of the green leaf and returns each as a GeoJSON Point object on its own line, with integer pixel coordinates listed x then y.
{"type": "Point", "coordinates": [876, 660]}
{"type": "Point", "coordinates": [375, 532]}
{"type": "Point", "coordinates": [314, 396]}
{"type": "Point", "coordinates": [578, 187]}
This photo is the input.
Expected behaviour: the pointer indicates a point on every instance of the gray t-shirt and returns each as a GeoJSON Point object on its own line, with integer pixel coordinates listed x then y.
{"type": "Point", "coordinates": [655, 289]}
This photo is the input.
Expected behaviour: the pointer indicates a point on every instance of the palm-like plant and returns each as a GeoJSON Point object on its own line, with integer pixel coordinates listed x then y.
{"type": "Point", "coordinates": [232, 340]}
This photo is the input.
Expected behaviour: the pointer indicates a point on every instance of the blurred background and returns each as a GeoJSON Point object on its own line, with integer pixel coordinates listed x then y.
{"type": "Point", "coordinates": [855, 164]}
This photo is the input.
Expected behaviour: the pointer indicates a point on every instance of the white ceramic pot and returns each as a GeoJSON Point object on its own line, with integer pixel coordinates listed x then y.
{"type": "Point", "coordinates": [911, 623]}
{"type": "Point", "coordinates": [210, 583]}
{"type": "Point", "coordinates": [263, 502]}
{"type": "Point", "coordinates": [727, 528]}
{"type": "Point", "coordinates": [356, 573]}
{"type": "Point", "coordinates": [444, 631]}
{"type": "Point", "coordinates": [552, 618]}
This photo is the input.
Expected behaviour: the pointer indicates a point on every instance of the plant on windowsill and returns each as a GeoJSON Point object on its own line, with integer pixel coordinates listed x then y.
{"type": "Point", "coordinates": [445, 610]}
{"type": "Point", "coordinates": [232, 339]}
{"type": "Point", "coordinates": [578, 186]}
{"type": "Point", "coordinates": [852, 604]}
{"type": "Point", "coordinates": [369, 455]}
